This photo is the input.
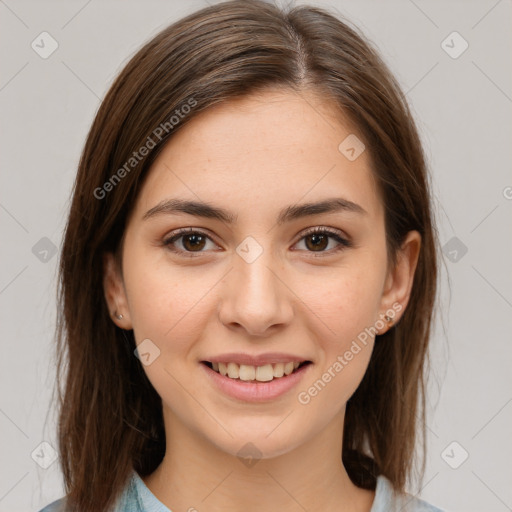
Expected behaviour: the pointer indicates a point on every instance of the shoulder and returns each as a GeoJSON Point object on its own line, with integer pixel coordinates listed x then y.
{"type": "Point", "coordinates": [127, 501]}
{"type": "Point", "coordinates": [386, 500]}
{"type": "Point", "coordinates": [55, 506]}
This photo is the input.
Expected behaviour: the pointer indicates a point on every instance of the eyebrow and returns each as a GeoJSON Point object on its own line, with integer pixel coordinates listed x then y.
{"type": "Point", "coordinates": [288, 214]}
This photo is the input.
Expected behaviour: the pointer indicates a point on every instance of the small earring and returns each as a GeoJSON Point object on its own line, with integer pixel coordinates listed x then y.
{"type": "Point", "coordinates": [388, 319]}
{"type": "Point", "coordinates": [119, 317]}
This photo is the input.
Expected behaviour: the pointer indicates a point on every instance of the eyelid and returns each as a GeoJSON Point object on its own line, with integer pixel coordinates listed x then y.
{"type": "Point", "coordinates": [343, 240]}
{"type": "Point", "coordinates": [178, 233]}
{"type": "Point", "coordinates": [324, 229]}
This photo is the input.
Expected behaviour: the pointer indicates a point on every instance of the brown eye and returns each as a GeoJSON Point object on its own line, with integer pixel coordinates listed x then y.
{"type": "Point", "coordinates": [317, 241]}
{"type": "Point", "coordinates": [191, 241]}
{"type": "Point", "coordinates": [194, 242]}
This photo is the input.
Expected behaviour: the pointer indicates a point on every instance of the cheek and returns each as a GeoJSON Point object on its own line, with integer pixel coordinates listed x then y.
{"type": "Point", "coordinates": [166, 308]}
{"type": "Point", "coordinates": [347, 302]}
{"type": "Point", "coordinates": [348, 309]}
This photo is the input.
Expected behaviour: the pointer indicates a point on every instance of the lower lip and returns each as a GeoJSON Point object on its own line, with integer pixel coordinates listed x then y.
{"type": "Point", "coordinates": [256, 391]}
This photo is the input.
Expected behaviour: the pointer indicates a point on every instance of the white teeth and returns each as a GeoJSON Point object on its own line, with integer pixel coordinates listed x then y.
{"type": "Point", "coordinates": [233, 370]}
{"type": "Point", "coordinates": [288, 368]}
{"type": "Point", "coordinates": [279, 370]}
{"type": "Point", "coordinates": [246, 372]}
{"type": "Point", "coordinates": [264, 373]}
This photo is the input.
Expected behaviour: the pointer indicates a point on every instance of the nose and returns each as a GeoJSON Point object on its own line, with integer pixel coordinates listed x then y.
{"type": "Point", "coordinates": [255, 297]}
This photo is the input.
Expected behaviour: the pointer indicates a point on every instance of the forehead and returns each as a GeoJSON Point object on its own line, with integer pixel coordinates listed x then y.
{"type": "Point", "coordinates": [266, 149]}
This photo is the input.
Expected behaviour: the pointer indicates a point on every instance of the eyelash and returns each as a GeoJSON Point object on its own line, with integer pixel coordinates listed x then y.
{"type": "Point", "coordinates": [343, 242]}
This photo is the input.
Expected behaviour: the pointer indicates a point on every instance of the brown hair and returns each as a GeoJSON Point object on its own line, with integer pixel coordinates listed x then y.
{"type": "Point", "coordinates": [110, 416]}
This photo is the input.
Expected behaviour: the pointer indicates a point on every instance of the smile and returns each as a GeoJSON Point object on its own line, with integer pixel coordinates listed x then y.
{"type": "Point", "coordinates": [255, 383]}
{"type": "Point", "coordinates": [248, 373]}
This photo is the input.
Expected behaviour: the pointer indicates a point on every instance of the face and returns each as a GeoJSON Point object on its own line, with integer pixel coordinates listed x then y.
{"type": "Point", "coordinates": [265, 278]}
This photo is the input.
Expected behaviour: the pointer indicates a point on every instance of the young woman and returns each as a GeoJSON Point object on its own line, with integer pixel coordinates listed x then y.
{"type": "Point", "coordinates": [248, 276]}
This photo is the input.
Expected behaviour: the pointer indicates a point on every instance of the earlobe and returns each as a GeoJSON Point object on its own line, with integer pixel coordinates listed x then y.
{"type": "Point", "coordinates": [115, 295]}
{"type": "Point", "coordinates": [399, 281]}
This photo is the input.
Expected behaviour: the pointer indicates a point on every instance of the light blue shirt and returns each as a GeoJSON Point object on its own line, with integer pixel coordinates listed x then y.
{"type": "Point", "coordinates": [138, 498]}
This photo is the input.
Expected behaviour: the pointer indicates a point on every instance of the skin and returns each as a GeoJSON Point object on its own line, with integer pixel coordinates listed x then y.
{"type": "Point", "coordinates": [254, 156]}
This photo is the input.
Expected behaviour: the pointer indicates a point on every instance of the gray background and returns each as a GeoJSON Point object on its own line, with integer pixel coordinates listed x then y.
{"type": "Point", "coordinates": [463, 108]}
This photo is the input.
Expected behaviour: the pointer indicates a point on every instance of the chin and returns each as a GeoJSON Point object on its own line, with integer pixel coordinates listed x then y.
{"type": "Point", "coordinates": [256, 443]}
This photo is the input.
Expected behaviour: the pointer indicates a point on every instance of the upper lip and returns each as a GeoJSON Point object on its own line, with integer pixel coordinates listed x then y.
{"type": "Point", "coordinates": [256, 360]}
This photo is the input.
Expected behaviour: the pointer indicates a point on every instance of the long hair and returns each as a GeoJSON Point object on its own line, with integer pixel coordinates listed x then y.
{"type": "Point", "coordinates": [110, 416]}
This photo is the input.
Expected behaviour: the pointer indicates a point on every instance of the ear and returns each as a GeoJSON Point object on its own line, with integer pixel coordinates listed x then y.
{"type": "Point", "coordinates": [398, 285]}
{"type": "Point", "coordinates": [115, 293]}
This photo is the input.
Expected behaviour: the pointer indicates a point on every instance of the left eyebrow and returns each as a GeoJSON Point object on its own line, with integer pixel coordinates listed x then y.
{"type": "Point", "coordinates": [288, 214]}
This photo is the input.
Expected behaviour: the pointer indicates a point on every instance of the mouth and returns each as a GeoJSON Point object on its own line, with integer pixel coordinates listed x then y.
{"type": "Point", "coordinates": [264, 383]}
{"type": "Point", "coordinates": [255, 374]}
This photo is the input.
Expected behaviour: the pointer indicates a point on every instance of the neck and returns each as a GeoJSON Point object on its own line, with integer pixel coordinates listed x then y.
{"type": "Point", "coordinates": [196, 474]}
